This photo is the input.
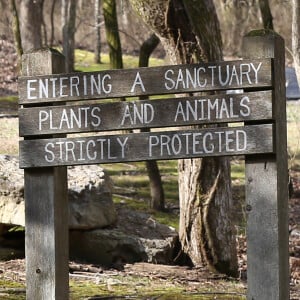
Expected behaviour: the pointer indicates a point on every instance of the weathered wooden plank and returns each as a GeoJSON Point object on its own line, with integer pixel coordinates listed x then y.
{"type": "Point", "coordinates": [146, 114]}
{"type": "Point", "coordinates": [147, 146]}
{"type": "Point", "coordinates": [146, 81]}
{"type": "Point", "coordinates": [267, 188]}
{"type": "Point", "coordinates": [46, 210]}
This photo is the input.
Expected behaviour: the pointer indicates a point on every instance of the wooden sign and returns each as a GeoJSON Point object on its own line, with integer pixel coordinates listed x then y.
{"type": "Point", "coordinates": [146, 114]}
{"type": "Point", "coordinates": [146, 81]}
{"type": "Point", "coordinates": [262, 109]}
{"type": "Point", "coordinates": [147, 146]}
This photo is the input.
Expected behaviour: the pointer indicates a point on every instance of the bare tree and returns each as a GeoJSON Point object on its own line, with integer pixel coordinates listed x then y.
{"type": "Point", "coordinates": [206, 232]}
{"type": "Point", "coordinates": [266, 14]}
{"type": "Point", "coordinates": [51, 40]}
{"type": "Point", "coordinates": [16, 31]}
{"type": "Point", "coordinates": [30, 24]}
{"type": "Point", "coordinates": [68, 32]}
{"type": "Point", "coordinates": [112, 34]}
{"type": "Point", "coordinates": [97, 57]}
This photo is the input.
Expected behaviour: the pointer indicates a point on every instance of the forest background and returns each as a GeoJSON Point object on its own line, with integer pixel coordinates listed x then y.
{"type": "Point", "coordinates": [236, 18]}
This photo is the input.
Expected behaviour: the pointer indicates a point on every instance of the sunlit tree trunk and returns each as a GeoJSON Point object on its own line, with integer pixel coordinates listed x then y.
{"type": "Point", "coordinates": [112, 34]}
{"type": "Point", "coordinates": [16, 31]}
{"type": "Point", "coordinates": [30, 24]}
{"type": "Point", "coordinates": [51, 40]}
{"type": "Point", "coordinates": [97, 52]}
{"type": "Point", "coordinates": [189, 31]}
{"type": "Point", "coordinates": [68, 32]}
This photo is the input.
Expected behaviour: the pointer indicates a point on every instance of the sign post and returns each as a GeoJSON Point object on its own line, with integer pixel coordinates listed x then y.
{"type": "Point", "coordinates": [46, 209]}
{"type": "Point", "coordinates": [267, 188]}
{"type": "Point", "coordinates": [45, 152]}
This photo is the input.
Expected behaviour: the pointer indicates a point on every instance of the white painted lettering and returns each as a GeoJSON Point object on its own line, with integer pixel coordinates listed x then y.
{"type": "Point", "coordinates": [256, 70]}
{"type": "Point", "coordinates": [245, 110]}
{"type": "Point", "coordinates": [241, 140]}
{"type": "Point", "coordinates": [43, 117]}
{"type": "Point", "coordinates": [122, 144]}
{"type": "Point", "coordinates": [202, 85]}
{"type": "Point", "coordinates": [74, 83]}
{"type": "Point", "coordinates": [244, 71]}
{"type": "Point", "coordinates": [50, 156]}
{"type": "Point", "coordinates": [96, 119]}
{"type": "Point", "coordinates": [138, 81]}
{"type": "Point", "coordinates": [62, 86]}
{"type": "Point", "coordinates": [172, 82]}
{"type": "Point", "coordinates": [153, 142]}
{"type": "Point", "coordinates": [43, 88]}
{"type": "Point", "coordinates": [31, 89]}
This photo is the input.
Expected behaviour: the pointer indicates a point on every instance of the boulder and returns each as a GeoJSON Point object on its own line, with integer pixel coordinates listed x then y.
{"type": "Point", "coordinates": [90, 198]}
{"type": "Point", "coordinates": [97, 235]}
{"type": "Point", "coordinates": [136, 237]}
{"type": "Point", "coordinates": [89, 192]}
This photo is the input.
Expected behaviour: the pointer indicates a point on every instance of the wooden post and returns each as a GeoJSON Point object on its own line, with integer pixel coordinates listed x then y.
{"type": "Point", "coordinates": [46, 208]}
{"type": "Point", "coordinates": [267, 187]}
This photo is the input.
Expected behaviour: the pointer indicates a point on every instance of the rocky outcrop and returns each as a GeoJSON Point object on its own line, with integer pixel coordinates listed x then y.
{"type": "Point", "coordinates": [90, 198]}
{"type": "Point", "coordinates": [89, 192]}
{"type": "Point", "coordinates": [100, 232]}
{"type": "Point", "coordinates": [136, 237]}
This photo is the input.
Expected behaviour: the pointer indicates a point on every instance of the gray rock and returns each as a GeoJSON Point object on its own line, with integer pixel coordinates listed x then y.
{"type": "Point", "coordinates": [137, 237]}
{"type": "Point", "coordinates": [130, 237]}
{"type": "Point", "coordinates": [90, 198]}
{"type": "Point", "coordinates": [11, 191]}
{"type": "Point", "coordinates": [89, 192]}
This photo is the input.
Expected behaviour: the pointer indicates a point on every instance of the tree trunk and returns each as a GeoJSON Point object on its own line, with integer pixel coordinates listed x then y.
{"type": "Point", "coordinates": [97, 57]}
{"type": "Point", "coordinates": [112, 34]}
{"type": "Point", "coordinates": [189, 31]}
{"type": "Point", "coordinates": [68, 32]}
{"type": "Point", "coordinates": [31, 21]}
{"type": "Point", "coordinates": [236, 16]}
{"type": "Point", "coordinates": [266, 14]}
{"type": "Point", "coordinates": [156, 187]}
{"type": "Point", "coordinates": [146, 50]}
{"type": "Point", "coordinates": [296, 37]}
{"type": "Point", "coordinates": [51, 41]}
{"type": "Point", "coordinates": [16, 32]}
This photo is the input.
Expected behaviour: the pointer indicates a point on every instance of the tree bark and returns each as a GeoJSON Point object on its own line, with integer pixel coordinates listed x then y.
{"type": "Point", "coordinates": [51, 41]}
{"type": "Point", "coordinates": [112, 34]}
{"type": "Point", "coordinates": [97, 54]}
{"type": "Point", "coordinates": [266, 14]}
{"type": "Point", "coordinates": [31, 21]}
{"type": "Point", "coordinates": [189, 32]}
{"type": "Point", "coordinates": [296, 37]}
{"type": "Point", "coordinates": [156, 188]}
{"type": "Point", "coordinates": [68, 32]}
{"type": "Point", "coordinates": [16, 32]}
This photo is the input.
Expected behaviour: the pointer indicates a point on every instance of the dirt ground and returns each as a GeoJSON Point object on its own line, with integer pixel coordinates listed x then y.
{"type": "Point", "coordinates": [14, 270]}
{"type": "Point", "coordinates": [194, 278]}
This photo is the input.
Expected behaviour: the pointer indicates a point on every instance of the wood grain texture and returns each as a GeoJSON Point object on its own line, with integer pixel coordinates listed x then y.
{"type": "Point", "coordinates": [146, 81]}
{"type": "Point", "coordinates": [147, 146]}
{"type": "Point", "coordinates": [267, 188]}
{"type": "Point", "coordinates": [146, 114]}
{"type": "Point", "coordinates": [46, 210]}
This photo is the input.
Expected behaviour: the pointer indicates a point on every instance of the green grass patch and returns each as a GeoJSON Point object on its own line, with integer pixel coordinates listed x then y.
{"type": "Point", "coordinates": [238, 170]}
{"type": "Point", "coordinates": [131, 186]}
{"type": "Point", "coordinates": [84, 61]}
{"type": "Point", "coordinates": [9, 99]}
{"type": "Point", "coordinates": [11, 290]}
